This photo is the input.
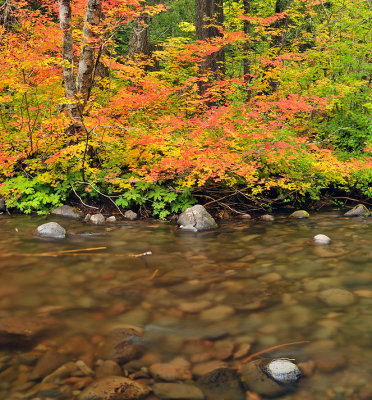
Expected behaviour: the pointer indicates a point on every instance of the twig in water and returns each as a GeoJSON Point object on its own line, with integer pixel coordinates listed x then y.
{"type": "Point", "coordinates": [258, 353]}
{"type": "Point", "coordinates": [154, 274]}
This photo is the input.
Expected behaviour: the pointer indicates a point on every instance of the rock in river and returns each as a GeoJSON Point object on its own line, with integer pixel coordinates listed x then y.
{"type": "Point", "coordinates": [97, 219]}
{"type": "Point", "coordinates": [358, 211]}
{"type": "Point", "coordinates": [122, 345]}
{"type": "Point", "coordinates": [197, 217]}
{"type": "Point", "coordinates": [16, 329]}
{"type": "Point", "coordinates": [337, 297]}
{"type": "Point", "coordinates": [321, 239]}
{"type": "Point", "coordinates": [178, 391]}
{"type": "Point", "coordinates": [222, 384]}
{"type": "Point", "coordinates": [67, 212]}
{"type": "Point", "coordinates": [300, 214]}
{"type": "Point", "coordinates": [271, 377]}
{"type": "Point", "coordinates": [114, 388]}
{"type": "Point", "coordinates": [52, 230]}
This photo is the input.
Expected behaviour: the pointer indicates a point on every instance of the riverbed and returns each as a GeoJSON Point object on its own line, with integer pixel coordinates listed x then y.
{"type": "Point", "coordinates": [209, 299]}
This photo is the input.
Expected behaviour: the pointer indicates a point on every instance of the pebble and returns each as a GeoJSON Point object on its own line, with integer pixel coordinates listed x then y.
{"type": "Point", "coordinates": [114, 388]}
{"type": "Point", "coordinates": [196, 306]}
{"type": "Point", "coordinates": [177, 391]}
{"type": "Point", "coordinates": [321, 239]}
{"type": "Point", "coordinates": [176, 370]}
{"type": "Point", "coordinates": [337, 297]}
{"type": "Point", "coordinates": [207, 367]}
{"type": "Point", "coordinates": [49, 362]}
{"type": "Point", "coordinates": [217, 313]}
{"type": "Point", "coordinates": [108, 368]}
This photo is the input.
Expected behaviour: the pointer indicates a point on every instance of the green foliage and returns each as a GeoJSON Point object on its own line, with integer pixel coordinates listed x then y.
{"type": "Point", "coordinates": [29, 195]}
{"type": "Point", "coordinates": [159, 199]}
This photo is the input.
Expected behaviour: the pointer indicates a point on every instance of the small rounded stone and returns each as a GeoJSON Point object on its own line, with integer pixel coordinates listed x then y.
{"type": "Point", "coordinates": [321, 239]}
{"type": "Point", "coordinates": [283, 371]}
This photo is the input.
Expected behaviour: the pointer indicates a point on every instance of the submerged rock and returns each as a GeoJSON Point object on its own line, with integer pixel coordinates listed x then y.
{"type": "Point", "coordinates": [267, 218]}
{"type": "Point", "coordinates": [358, 211]}
{"type": "Point", "coordinates": [67, 212]}
{"type": "Point", "coordinates": [177, 391]}
{"type": "Point", "coordinates": [176, 370]}
{"type": "Point", "coordinates": [17, 329]}
{"type": "Point", "coordinates": [196, 218]}
{"type": "Point", "coordinates": [300, 214]}
{"type": "Point", "coordinates": [52, 230]}
{"type": "Point", "coordinates": [114, 388]}
{"type": "Point", "coordinates": [337, 297]}
{"type": "Point", "coordinates": [97, 219]}
{"type": "Point", "coordinates": [123, 345]}
{"type": "Point", "coordinates": [222, 384]}
{"type": "Point", "coordinates": [321, 239]}
{"type": "Point", "coordinates": [271, 377]}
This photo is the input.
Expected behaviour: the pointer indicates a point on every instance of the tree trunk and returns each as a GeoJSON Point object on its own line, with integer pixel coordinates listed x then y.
{"type": "Point", "coordinates": [67, 57]}
{"type": "Point", "coordinates": [247, 46]}
{"type": "Point", "coordinates": [208, 20]}
{"type": "Point", "coordinates": [279, 39]}
{"type": "Point", "coordinates": [138, 42]}
{"type": "Point", "coordinates": [89, 49]}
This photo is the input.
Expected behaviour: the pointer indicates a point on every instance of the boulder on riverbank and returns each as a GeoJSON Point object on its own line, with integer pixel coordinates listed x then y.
{"type": "Point", "coordinates": [52, 230]}
{"type": "Point", "coordinates": [66, 212]}
{"type": "Point", "coordinates": [196, 218]}
{"type": "Point", "coordinates": [358, 211]}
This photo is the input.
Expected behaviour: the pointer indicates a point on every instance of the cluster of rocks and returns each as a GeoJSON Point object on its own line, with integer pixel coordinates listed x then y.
{"type": "Point", "coordinates": [118, 366]}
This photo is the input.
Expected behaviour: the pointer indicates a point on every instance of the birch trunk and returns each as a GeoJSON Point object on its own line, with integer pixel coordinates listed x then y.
{"type": "Point", "coordinates": [67, 57]}
{"type": "Point", "coordinates": [89, 49]}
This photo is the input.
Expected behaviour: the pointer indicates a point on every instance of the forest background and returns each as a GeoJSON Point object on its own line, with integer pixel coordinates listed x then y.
{"type": "Point", "coordinates": [156, 106]}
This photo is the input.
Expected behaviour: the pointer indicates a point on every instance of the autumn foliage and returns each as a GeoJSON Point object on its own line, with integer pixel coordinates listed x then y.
{"type": "Point", "coordinates": [296, 129]}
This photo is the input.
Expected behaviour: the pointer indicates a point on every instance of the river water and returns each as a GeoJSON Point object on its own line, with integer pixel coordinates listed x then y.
{"type": "Point", "coordinates": [210, 298]}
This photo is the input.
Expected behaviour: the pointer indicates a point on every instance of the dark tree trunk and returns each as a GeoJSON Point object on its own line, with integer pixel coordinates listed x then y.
{"type": "Point", "coordinates": [208, 20]}
{"type": "Point", "coordinates": [247, 46]}
{"type": "Point", "coordinates": [281, 25]}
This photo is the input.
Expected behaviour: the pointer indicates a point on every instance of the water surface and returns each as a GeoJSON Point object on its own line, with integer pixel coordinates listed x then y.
{"type": "Point", "coordinates": [255, 283]}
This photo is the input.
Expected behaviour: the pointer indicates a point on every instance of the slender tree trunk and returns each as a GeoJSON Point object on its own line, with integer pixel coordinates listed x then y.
{"type": "Point", "coordinates": [67, 57]}
{"type": "Point", "coordinates": [138, 42]}
{"type": "Point", "coordinates": [208, 20]}
{"type": "Point", "coordinates": [247, 47]}
{"type": "Point", "coordinates": [89, 49]}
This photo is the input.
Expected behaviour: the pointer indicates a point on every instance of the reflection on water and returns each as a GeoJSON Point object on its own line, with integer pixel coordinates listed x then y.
{"type": "Point", "coordinates": [207, 297]}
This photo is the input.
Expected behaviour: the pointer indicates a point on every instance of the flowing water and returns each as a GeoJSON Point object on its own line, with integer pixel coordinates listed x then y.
{"type": "Point", "coordinates": [204, 297]}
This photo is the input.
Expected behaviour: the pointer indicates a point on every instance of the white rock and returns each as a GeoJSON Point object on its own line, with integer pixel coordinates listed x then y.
{"type": "Point", "coordinates": [321, 239]}
{"type": "Point", "coordinates": [51, 229]}
{"type": "Point", "coordinates": [111, 219]}
{"type": "Point", "coordinates": [284, 371]}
